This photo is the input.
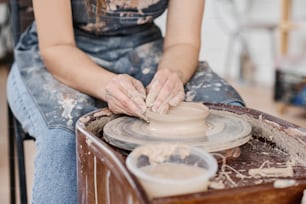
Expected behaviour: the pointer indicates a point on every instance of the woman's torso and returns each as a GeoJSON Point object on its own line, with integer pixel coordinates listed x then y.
{"type": "Point", "coordinates": [124, 26]}
{"type": "Point", "coordinates": [128, 42]}
{"type": "Point", "coordinates": [119, 16]}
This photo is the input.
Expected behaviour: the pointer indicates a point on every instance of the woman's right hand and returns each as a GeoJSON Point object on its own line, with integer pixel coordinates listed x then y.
{"type": "Point", "coordinates": [125, 94]}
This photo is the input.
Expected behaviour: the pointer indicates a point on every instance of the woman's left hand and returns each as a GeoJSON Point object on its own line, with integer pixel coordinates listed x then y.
{"type": "Point", "coordinates": [166, 89]}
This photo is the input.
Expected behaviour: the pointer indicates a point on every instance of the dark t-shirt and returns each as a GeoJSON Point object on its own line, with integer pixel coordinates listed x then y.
{"type": "Point", "coordinates": [118, 16]}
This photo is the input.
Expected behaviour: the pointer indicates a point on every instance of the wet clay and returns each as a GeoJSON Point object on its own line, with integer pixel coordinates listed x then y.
{"type": "Point", "coordinates": [221, 131]}
{"type": "Point", "coordinates": [186, 118]}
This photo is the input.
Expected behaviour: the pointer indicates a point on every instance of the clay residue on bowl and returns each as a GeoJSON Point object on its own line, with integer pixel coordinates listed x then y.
{"type": "Point", "coordinates": [165, 150]}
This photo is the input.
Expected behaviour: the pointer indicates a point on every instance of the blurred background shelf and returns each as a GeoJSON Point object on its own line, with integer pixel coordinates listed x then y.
{"type": "Point", "coordinates": [290, 74]}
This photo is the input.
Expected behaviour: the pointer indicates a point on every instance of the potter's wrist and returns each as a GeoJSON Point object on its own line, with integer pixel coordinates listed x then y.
{"type": "Point", "coordinates": [103, 86]}
{"type": "Point", "coordinates": [178, 73]}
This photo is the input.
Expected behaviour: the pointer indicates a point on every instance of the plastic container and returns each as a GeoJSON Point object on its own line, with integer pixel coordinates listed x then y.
{"type": "Point", "coordinates": [171, 169]}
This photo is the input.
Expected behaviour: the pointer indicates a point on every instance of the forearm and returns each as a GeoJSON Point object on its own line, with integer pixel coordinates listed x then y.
{"type": "Point", "coordinates": [183, 37]}
{"type": "Point", "coordinates": [181, 58]}
{"type": "Point", "coordinates": [74, 68]}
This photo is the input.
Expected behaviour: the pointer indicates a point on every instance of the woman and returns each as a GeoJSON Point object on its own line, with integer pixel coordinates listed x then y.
{"type": "Point", "coordinates": [82, 55]}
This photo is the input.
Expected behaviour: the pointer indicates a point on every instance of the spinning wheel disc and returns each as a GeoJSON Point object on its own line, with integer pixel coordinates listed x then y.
{"type": "Point", "coordinates": [224, 131]}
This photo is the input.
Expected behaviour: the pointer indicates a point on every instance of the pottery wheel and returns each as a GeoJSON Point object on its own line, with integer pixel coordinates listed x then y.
{"type": "Point", "coordinates": [224, 131]}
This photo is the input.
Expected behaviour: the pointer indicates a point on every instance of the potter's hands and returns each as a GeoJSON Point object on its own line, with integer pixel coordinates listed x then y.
{"type": "Point", "coordinates": [126, 95]}
{"type": "Point", "coordinates": [166, 89]}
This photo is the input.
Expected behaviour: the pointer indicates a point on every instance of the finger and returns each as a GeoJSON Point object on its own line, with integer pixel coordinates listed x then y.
{"type": "Point", "coordinates": [136, 94]}
{"type": "Point", "coordinates": [139, 101]}
{"type": "Point", "coordinates": [177, 99]}
{"type": "Point", "coordinates": [118, 106]}
{"type": "Point", "coordinates": [130, 104]}
{"type": "Point", "coordinates": [119, 101]}
{"type": "Point", "coordinates": [117, 109]}
{"type": "Point", "coordinates": [113, 100]}
{"type": "Point", "coordinates": [166, 92]}
{"type": "Point", "coordinates": [127, 86]}
{"type": "Point", "coordinates": [155, 89]}
{"type": "Point", "coordinates": [163, 108]}
{"type": "Point", "coordinates": [176, 96]}
{"type": "Point", "coordinates": [174, 100]}
{"type": "Point", "coordinates": [140, 88]}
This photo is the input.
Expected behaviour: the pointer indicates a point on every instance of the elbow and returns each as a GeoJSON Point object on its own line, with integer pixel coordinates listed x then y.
{"type": "Point", "coordinates": [44, 52]}
{"type": "Point", "coordinates": [189, 45]}
{"type": "Point", "coordinates": [52, 53]}
{"type": "Point", "coordinates": [47, 51]}
{"type": "Point", "coordinates": [48, 56]}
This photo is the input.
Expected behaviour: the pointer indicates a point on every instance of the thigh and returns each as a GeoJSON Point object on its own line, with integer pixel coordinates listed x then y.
{"type": "Point", "coordinates": [38, 100]}
{"type": "Point", "coordinates": [55, 178]}
{"type": "Point", "coordinates": [55, 147]}
{"type": "Point", "coordinates": [207, 86]}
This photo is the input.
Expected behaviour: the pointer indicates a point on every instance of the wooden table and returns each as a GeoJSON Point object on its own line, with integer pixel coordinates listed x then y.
{"type": "Point", "coordinates": [104, 178]}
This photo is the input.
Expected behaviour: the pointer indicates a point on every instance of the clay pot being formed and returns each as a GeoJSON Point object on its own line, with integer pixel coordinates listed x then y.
{"type": "Point", "coordinates": [188, 118]}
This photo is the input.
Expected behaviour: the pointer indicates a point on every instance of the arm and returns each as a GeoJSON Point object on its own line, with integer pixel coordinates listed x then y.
{"type": "Point", "coordinates": [181, 52]}
{"type": "Point", "coordinates": [73, 67]}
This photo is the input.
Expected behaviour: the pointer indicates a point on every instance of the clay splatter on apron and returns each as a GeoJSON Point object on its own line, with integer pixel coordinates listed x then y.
{"type": "Point", "coordinates": [138, 4]}
{"type": "Point", "coordinates": [119, 14]}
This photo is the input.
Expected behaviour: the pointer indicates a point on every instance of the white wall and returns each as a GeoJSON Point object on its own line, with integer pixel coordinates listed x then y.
{"type": "Point", "coordinates": [5, 34]}
{"type": "Point", "coordinates": [215, 39]}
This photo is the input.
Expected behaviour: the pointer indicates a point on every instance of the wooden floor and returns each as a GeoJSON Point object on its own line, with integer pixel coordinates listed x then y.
{"type": "Point", "coordinates": [256, 97]}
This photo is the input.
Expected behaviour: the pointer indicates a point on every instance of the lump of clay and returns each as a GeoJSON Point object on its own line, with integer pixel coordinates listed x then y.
{"type": "Point", "coordinates": [186, 118]}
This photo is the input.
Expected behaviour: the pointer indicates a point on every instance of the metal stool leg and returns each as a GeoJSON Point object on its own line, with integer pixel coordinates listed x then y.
{"type": "Point", "coordinates": [20, 137]}
{"type": "Point", "coordinates": [11, 139]}
{"type": "Point", "coordinates": [17, 137]}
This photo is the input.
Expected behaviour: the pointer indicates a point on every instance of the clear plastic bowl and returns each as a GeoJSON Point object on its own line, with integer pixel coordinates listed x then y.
{"type": "Point", "coordinates": [171, 169]}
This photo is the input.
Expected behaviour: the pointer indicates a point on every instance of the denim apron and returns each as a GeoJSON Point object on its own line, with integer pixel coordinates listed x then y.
{"type": "Point", "coordinates": [123, 39]}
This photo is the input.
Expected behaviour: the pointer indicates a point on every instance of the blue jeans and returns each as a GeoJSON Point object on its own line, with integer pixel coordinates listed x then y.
{"type": "Point", "coordinates": [55, 161]}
